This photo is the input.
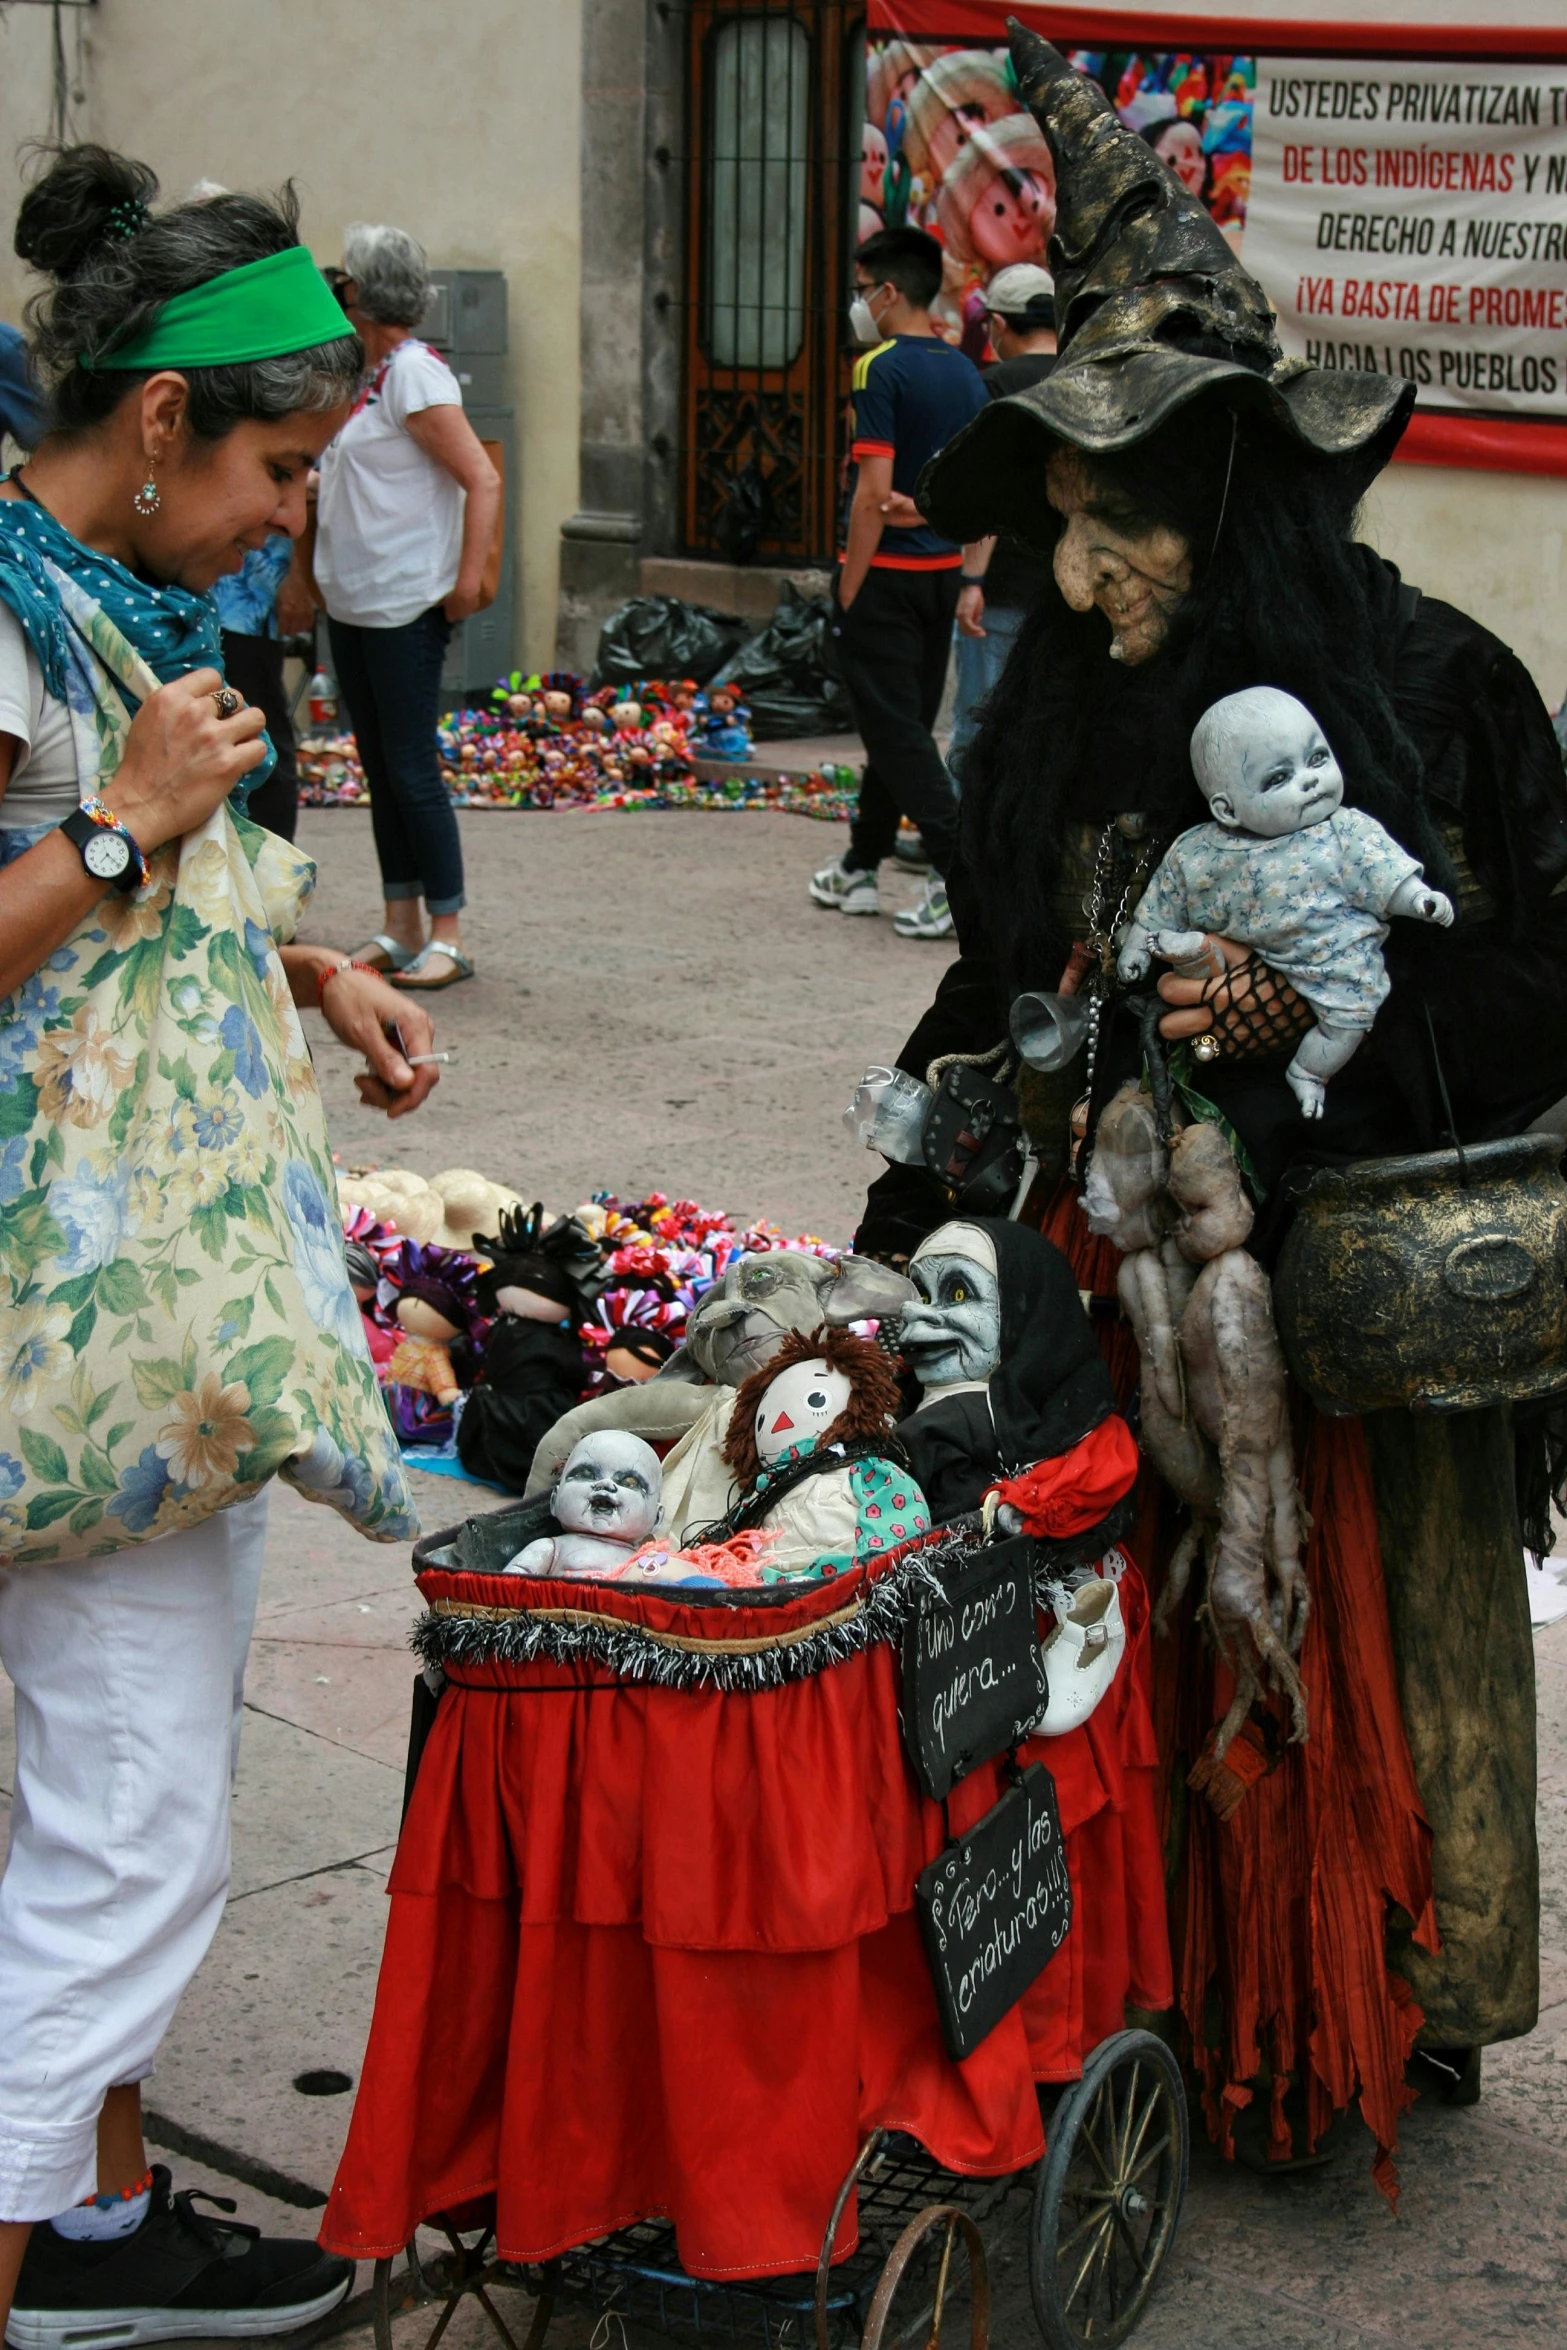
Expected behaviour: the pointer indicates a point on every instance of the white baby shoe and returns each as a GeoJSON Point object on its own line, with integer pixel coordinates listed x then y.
{"type": "Point", "coordinates": [1082, 1656]}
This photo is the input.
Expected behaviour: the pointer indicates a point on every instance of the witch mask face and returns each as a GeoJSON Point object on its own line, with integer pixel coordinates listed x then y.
{"type": "Point", "coordinates": [954, 1333]}
{"type": "Point", "coordinates": [611, 1486]}
{"type": "Point", "coordinates": [798, 1408]}
{"type": "Point", "coordinates": [1136, 571]}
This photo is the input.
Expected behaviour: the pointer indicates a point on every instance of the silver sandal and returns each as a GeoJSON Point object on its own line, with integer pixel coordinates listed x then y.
{"type": "Point", "coordinates": [413, 974]}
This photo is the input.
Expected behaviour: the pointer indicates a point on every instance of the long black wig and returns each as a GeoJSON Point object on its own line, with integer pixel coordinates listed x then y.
{"type": "Point", "coordinates": [1281, 595]}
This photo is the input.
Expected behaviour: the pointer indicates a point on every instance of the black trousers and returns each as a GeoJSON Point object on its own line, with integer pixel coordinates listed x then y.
{"type": "Point", "coordinates": [254, 665]}
{"type": "Point", "coordinates": [391, 681]}
{"type": "Point", "coordinates": [893, 646]}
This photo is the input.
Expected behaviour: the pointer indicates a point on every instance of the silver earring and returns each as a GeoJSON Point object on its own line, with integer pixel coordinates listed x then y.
{"type": "Point", "coordinates": [147, 501]}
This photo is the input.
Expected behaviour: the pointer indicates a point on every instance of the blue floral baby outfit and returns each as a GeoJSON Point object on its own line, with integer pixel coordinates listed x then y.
{"type": "Point", "coordinates": [1312, 902]}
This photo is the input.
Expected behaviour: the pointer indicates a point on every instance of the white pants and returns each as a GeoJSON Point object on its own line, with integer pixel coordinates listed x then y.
{"type": "Point", "coordinates": [125, 1671]}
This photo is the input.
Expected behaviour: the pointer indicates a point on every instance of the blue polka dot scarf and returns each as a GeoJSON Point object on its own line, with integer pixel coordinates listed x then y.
{"type": "Point", "coordinates": [172, 629]}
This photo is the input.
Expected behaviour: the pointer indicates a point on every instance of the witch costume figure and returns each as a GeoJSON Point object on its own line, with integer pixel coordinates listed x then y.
{"type": "Point", "coordinates": [1196, 494]}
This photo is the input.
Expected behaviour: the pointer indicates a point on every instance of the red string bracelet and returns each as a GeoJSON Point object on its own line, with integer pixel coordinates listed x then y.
{"type": "Point", "coordinates": [349, 965]}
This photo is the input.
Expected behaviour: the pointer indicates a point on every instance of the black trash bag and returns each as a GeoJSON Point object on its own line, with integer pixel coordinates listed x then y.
{"type": "Point", "coordinates": [743, 518]}
{"type": "Point", "coordinates": [787, 676]}
{"type": "Point", "coordinates": [659, 636]}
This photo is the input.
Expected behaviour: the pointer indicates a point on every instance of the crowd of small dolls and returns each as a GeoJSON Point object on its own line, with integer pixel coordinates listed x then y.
{"type": "Point", "coordinates": [824, 1414]}
{"type": "Point", "coordinates": [548, 742]}
{"type": "Point", "coordinates": [487, 1320]}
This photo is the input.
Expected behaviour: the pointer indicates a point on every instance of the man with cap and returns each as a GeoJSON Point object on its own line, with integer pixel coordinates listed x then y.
{"type": "Point", "coordinates": [1001, 576]}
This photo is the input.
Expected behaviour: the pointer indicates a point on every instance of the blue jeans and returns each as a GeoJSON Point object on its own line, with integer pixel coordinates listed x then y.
{"type": "Point", "coordinates": [981, 660]}
{"type": "Point", "coordinates": [391, 681]}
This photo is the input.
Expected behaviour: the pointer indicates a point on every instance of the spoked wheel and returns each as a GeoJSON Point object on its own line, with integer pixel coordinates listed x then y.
{"type": "Point", "coordinates": [1109, 2193]}
{"type": "Point", "coordinates": [436, 2289]}
{"type": "Point", "coordinates": [914, 2304]}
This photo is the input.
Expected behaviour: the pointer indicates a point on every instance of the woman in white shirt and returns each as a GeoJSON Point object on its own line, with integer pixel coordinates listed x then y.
{"type": "Point", "coordinates": [405, 517]}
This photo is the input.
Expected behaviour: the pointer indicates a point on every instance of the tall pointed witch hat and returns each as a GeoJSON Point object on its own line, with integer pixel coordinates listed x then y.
{"type": "Point", "coordinates": [1153, 309]}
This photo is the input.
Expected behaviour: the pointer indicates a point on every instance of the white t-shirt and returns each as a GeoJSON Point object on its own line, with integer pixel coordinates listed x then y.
{"type": "Point", "coordinates": [43, 788]}
{"type": "Point", "coordinates": [388, 518]}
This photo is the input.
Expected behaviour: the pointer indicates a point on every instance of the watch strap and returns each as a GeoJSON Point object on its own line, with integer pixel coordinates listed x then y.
{"type": "Point", "coordinates": [102, 818]}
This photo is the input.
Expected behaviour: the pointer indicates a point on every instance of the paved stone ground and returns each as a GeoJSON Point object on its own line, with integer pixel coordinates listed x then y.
{"type": "Point", "coordinates": [659, 1004]}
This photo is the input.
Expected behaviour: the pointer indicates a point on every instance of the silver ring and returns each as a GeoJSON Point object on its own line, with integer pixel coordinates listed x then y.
{"type": "Point", "coordinates": [227, 700]}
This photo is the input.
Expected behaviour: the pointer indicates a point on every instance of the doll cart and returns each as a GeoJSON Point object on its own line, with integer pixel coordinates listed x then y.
{"type": "Point", "coordinates": [902, 2237]}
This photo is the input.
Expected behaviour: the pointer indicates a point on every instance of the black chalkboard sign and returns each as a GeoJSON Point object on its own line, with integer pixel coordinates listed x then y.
{"type": "Point", "coordinates": [994, 1909]}
{"type": "Point", "coordinates": [973, 1677]}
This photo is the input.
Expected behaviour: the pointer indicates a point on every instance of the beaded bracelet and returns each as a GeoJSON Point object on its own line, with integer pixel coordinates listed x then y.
{"type": "Point", "coordinates": [348, 964]}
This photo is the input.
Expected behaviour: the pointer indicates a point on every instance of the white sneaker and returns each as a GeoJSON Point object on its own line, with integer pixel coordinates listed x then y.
{"type": "Point", "coordinates": [846, 892]}
{"type": "Point", "coordinates": [1082, 1656]}
{"type": "Point", "coordinates": [930, 916]}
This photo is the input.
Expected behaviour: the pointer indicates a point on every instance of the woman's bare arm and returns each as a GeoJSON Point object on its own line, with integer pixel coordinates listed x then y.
{"type": "Point", "coordinates": [446, 435]}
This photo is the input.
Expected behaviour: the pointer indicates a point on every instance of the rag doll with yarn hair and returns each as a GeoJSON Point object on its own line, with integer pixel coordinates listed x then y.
{"type": "Point", "coordinates": [817, 1465]}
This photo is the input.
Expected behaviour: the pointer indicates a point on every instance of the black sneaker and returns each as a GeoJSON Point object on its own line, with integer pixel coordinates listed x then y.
{"type": "Point", "coordinates": [180, 2275]}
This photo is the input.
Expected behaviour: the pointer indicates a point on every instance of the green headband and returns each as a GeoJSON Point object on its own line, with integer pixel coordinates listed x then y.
{"type": "Point", "coordinates": [262, 310]}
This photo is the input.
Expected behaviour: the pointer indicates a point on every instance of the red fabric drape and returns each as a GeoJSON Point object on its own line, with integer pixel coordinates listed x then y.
{"type": "Point", "coordinates": [1282, 1906]}
{"type": "Point", "coordinates": [1072, 1492]}
{"type": "Point", "coordinates": [654, 1951]}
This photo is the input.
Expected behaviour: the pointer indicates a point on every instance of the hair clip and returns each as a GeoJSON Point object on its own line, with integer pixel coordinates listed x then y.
{"type": "Point", "coordinates": [127, 217]}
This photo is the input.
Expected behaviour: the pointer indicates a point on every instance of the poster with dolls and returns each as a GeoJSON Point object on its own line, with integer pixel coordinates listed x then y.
{"type": "Point", "coordinates": [948, 146]}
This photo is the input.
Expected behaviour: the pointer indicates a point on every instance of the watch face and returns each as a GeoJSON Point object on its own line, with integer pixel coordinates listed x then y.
{"type": "Point", "coordinates": [106, 857]}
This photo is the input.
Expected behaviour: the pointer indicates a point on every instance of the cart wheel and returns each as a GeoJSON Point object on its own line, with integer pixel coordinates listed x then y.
{"type": "Point", "coordinates": [926, 2322]}
{"type": "Point", "coordinates": [1109, 2194]}
{"type": "Point", "coordinates": [437, 2289]}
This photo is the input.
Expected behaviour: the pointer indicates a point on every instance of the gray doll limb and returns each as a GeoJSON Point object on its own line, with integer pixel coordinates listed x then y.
{"type": "Point", "coordinates": [1136, 951]}
{"type": "Point", "coordinates": [1323, 1051]}
{"type": "Point", "coordinates": [1417, 901]}
{"type": "Point", "coordinates": [658, 1409]}
{"type": "Point", "coordinates": [1320, 1054]}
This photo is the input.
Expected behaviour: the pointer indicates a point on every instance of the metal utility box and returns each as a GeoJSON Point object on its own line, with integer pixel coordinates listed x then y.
{"type": "Point", "coordinates": [466, 322]}
{"type": "Point", "coordinates": [466, 311]}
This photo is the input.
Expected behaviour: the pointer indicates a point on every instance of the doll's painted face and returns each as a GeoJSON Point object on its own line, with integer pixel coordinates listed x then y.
{"type": "Point", "coordinates": [530, 1305]}
{"type": "Point", "coordinates": [611, 1486]}
{"type": "Point", "coordinates": [1179, 147]}
{"type": "Point", "coordinates": [801, 1405]}
{"type": "Point", "coordinates": [1012, 219]}
{"type": "Point", "coordinates": [557, 705]}
{"type": "Point", "coordinates": [422, 1320]}
{"type": "Point", "coordinates": [873, 163]}
{"type": "Point", "coordinates": [956, 127]}
{"type": "Point", "coordinates": [953, 1333]}
{"type": "Point", "coordinates": [1264, 764]}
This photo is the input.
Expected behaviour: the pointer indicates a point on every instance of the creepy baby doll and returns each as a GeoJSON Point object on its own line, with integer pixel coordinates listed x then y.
{"type": "Point", "coordinates": [810, 1441]}
{"type": "Point", "coordinates": [1287, 869]}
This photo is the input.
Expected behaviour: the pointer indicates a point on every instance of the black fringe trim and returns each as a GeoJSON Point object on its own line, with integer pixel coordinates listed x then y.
{"type": "Point", "coordinates": [634, 1655]}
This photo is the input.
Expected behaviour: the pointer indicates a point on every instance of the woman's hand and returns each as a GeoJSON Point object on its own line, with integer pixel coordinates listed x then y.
{"type": "Point", "coordinates": [360, 1007]}
{"type": "Point", "coordinates": [1251, 1011]}
{"type": "Point", "coordinates": [182, 760]}
{"type": "Point", "coordinates": [462, 603]}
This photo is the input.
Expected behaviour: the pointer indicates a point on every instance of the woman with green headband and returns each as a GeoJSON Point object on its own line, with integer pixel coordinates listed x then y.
{"type": "Point", "coordinates": [196, 366]}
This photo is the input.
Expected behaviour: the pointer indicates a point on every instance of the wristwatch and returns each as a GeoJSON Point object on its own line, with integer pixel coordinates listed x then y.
{"type": "Point", "coordinates": [107, 848]}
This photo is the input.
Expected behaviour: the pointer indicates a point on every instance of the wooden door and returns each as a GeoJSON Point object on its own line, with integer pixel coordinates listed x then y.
{"type": "Point", "coordinates": [774, 101]}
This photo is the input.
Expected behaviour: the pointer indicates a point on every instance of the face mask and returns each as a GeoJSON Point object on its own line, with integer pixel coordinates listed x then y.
{"type": "Point", "coordinates": [862, 321]}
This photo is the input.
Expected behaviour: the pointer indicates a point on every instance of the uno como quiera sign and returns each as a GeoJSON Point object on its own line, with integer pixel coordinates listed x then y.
{"type": "Point", "coordinates": [1412, 218]}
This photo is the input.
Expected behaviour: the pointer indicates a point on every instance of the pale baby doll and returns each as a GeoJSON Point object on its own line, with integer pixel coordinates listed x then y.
{"type": "Point", "coordinates": [1284, 868]}
{"type": "Point", "coordinates": [606, 1504]}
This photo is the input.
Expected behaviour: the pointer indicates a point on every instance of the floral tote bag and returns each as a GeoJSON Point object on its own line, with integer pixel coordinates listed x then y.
{"type": "Point", "coordinates": [176, 1325]}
